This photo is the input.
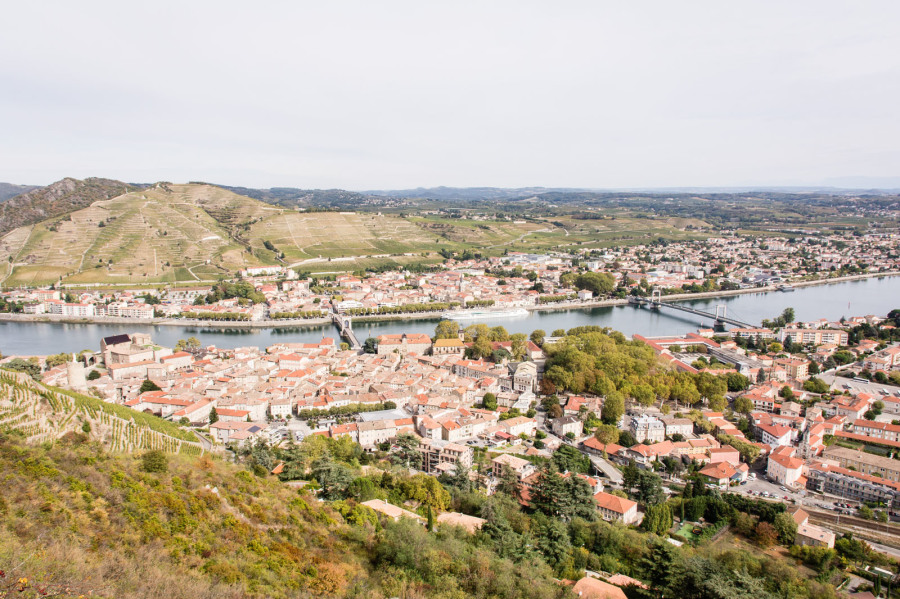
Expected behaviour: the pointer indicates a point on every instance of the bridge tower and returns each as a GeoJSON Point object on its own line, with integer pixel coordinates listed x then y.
{"type": "Point", "coordinates": [347, 324]}
{"type": "Point", "coordinates": [655, 295]}
{"type": "Point", "coordinates": [724, 312]}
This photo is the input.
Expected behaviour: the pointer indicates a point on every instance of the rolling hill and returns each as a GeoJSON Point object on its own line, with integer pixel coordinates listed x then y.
{"type": "Point", "coordinates": [195, 232]}
{"type": "Point", "coordinates": [180, 233]}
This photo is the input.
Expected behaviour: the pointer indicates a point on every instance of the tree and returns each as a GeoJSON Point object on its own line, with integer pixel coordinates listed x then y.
{"type": "Point", "coordinates": [334, 479]}
{"type": "Point", "coordinates": [548, 494]}
{"type": "Point", "coordinates": [736, 382]}
{"type": "Point", "coordinates": [430, 518]}
{"type": "Point", "coordinates": [519, 346]}
{"type": "Point", "coordinates": [607, 433]}
{"type": "Point", "coordinates": [149, 385]}
{"type": "Point", "coordinates": [489, 402]}
{"type": "Point", "coordinates": [765, 534]}
{"type": "Point", "coordinates": [447, 329]}
{"type": "Point", "coordinates": [56, 360]}
{"type": "Point", "coordinates": [509, 482]}
{"type": "Point", "coordinates": [370, 345]}
{"type": "Point", "coordinates": [743, 405]}
{"type": "Point", "coordinates": [553, 541]}
{"type": "Point", "coordinates": [93, 375]}
{"type": "Point", "coordinates": [657, 519]}
{"type": "Point", "coordinates": [213, 415]}
{"type": "Point", "coordinates": [613, 408]}
{"type": "Point", "coordinates": [407, 453]}
{"type": "Point", "coordinates": [598, 283]}
{"type": "Point", "coordinates": [537, 336]}
{"type": "Point", "coordinates": [154, 461]}
{"type": "Point", "coordinates": [29, 367]}
{"type": "Point", "coordinates": [786, 528]}
{"type": "Point", "coordinates": [787, 393]}
{"type": "Point", "coordinates": [815, 385]}
{"type": "Point", "coordinates": [649, 488]}
{"type": "Point", "coordinates": [189, 344]}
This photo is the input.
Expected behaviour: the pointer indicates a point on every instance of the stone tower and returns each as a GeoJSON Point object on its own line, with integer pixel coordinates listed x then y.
{"type": "Point", "coordinates": [75, 374]}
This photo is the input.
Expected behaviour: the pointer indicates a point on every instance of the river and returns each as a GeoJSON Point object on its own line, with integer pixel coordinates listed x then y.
{"type": "Point", "coordinates": [868, 296]}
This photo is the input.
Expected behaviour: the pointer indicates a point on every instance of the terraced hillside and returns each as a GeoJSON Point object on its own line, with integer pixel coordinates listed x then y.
{"type": "Point", "coordinates": [161, 234]}
{"type": "Point", "coordinates": [196, 232]}
{"type": "Point", "coordinates": [43, 414]}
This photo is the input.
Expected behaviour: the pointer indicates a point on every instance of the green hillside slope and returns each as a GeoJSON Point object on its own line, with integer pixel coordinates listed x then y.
{"type": "Point", "coordinates": [78, 521]}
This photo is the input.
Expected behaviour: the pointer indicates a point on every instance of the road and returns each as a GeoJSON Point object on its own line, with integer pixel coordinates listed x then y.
{"type": "Point", "coordinates": [206, 443]}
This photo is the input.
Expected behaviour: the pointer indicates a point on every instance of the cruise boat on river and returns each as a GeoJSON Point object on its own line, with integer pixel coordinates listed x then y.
{"type": "Point", "coordinates": [481, 314]}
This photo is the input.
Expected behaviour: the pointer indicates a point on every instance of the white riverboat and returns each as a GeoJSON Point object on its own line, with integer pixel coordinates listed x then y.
{"type": "Point", "coordinates": [481, 314]}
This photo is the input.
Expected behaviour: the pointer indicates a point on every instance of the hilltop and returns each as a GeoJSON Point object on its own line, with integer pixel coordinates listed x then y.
{"type": "Point", "coordinates": [56, 199]}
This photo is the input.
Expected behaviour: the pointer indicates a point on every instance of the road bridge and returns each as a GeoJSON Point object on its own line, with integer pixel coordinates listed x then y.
{"type": "Point", "coordinates": [655, 302]}
{"type": "Point", "coordinates": [345, 326]}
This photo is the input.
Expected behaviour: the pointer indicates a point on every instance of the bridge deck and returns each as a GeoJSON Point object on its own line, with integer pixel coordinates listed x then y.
{"type": "Point", "coordinates": [732, 321]}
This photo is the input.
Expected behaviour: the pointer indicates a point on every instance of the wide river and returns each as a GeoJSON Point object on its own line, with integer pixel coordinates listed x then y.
{"type": "Point", "coordinates": [869, 296]}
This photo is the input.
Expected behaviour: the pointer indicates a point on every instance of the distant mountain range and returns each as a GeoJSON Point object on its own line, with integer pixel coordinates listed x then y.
{"type": "Point", "coordinates": [10, 190]}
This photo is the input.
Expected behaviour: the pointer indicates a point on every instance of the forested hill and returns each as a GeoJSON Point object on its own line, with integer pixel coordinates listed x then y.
{"type": "Point", "coordinates": [56, 199]}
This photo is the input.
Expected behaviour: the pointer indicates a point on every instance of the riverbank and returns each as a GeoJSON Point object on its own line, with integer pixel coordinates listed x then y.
{"type": "Point", "coordinates": [319, 322]}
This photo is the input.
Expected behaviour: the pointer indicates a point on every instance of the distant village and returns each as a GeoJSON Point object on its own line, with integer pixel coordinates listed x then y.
{"type": "Point", "coordinates": [515, 280]}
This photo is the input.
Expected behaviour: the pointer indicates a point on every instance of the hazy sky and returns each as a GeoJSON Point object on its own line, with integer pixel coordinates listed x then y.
{"type": "Point", "coordinates": [381, 94]}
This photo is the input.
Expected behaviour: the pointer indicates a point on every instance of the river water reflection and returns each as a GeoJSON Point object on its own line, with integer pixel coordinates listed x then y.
{"type": "Point", "coordinates": [869, 296]}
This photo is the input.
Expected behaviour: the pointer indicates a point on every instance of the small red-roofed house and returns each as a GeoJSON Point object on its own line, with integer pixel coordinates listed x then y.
{"type": "Point", "coordinates": [614, 508]}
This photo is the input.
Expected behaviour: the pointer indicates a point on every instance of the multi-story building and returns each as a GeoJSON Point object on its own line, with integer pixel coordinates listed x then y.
{"type": "Point", "coordinates": [567, 424]}
{"type": "Point", "coordinates": [414, 343]}
{"type": "Point", "coordinates": [879, 430]}
{"type": "Point", "coordinates": [522, 468]}
{"type": "Point", "coordinates": [865, 463]}
{"type": "Point", "coordinates": [613, 508]}
{"type": "Point", "coordinates": [647, 428]}
{"type": "Point", "coordinates": [373, 433]}
{"type": "Point", "coordinates": [855, 486]}
{"type": "Point", "coordinates": [774, 435]}
{"type": "Point", "coordinates": [815, 336]}
{"type": "Point", "coordinates": [443, 456]}
{"type": "Point", "coordinates": [677, 426]}
{"type": "Point", "coordinates": [783, 468]}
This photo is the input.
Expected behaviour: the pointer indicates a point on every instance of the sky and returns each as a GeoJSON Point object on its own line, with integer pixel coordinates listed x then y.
{"type": "Point", "coordinates": [392, 94]}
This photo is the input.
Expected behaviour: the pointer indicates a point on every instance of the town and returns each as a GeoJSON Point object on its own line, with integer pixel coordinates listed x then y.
{"type": "Point", "coordinates": [278, 294]}
{"type": "Point", "coordinates": [804, 415]}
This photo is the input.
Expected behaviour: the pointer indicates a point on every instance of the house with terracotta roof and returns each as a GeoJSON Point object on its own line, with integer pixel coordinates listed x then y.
{"type": "Point", "coordinates": [643, 455]}
{"type": "Point", "coordinates": [392, 511]}
{"type": "Point", "coordinates": [613, 508]}
{"type": "Point", "coordinates": [774, 435]}
{"type": "Point", "coordinates": [471, 523]}
{"type": "Point", "coordinates": [723, 473]}
{"type": "Point", "coordinates": [593, 588]}
{"type": "Point", "coordinates": [406, 343]}
{"type": "Point", "coordinates": [785, 469]}
{"type": "Point", "coordinates": [810, 534]}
